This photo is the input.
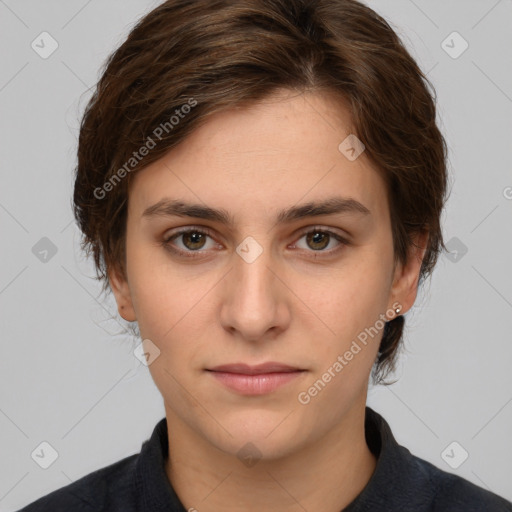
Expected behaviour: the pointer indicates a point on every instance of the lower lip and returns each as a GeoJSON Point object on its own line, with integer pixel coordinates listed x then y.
{"type": "Point", "coordinates": [260, 384]}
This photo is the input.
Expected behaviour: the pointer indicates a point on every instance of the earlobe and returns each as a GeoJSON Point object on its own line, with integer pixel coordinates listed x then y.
{"type": "Point", "coordinates": [406, 278]}
{"type": "Point", "coordinates": [122, 294]}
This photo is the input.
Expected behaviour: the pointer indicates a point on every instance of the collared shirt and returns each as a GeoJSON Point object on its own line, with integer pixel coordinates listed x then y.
{"type": "Point", "coordinates": [401, 482]}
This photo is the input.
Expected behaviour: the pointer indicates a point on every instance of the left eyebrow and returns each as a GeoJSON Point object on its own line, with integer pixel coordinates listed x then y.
{"type": "Point", "coordinates": [335, 205]}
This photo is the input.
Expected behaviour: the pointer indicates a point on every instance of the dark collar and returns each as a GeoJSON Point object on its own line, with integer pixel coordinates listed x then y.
{"type": "Point", "coordinates": [153, 489]}
{"type": "Point", "coordinates": [396, 476]}
{"type": "Point", "coordinates": [400, 481]}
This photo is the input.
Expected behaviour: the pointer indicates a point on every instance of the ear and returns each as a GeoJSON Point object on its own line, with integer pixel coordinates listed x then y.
{"type": "Point", "coordinates": [121, 289]}
{"type": "Point", "coordinates": [406, 276]}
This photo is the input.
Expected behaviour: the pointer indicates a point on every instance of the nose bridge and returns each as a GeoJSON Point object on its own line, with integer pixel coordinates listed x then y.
{"type": "Point", "coordinates": [253, 279]}
{"type": "Point", "coordinates": [253, 302]}
{"type": "Point", "coordinates": [253, 273]}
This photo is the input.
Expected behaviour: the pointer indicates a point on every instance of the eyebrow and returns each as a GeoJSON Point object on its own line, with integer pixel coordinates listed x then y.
{"type": "Point", "coordinates": [335, 205]}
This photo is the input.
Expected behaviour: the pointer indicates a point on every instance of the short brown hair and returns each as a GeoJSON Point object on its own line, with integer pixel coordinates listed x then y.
{"type": "Point", "coordinates": [211, 55]}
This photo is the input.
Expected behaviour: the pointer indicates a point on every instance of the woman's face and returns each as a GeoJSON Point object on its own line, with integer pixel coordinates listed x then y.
{"type": "Point", "coordinates": [274, 284]}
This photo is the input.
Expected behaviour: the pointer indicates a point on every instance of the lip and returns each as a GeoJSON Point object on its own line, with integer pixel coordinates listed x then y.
{"type": "Point", "coordinates": [255, 380]}
{"type": "Point", "coordinates": [258, 369]}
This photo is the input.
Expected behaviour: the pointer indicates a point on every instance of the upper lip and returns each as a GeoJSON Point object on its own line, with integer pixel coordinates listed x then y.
{"type": "Point", "coordinates": [245, 369]}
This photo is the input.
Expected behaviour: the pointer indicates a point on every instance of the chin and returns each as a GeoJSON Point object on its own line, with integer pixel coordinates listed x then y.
{"type": "Point", "coordinates": [268, 435]}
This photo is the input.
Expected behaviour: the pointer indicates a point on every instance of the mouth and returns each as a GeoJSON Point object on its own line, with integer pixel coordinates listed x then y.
{"type": "Point", "coordinates": [255, 380]}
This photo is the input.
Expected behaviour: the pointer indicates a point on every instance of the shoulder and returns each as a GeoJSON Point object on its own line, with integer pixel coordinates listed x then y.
{"type": "Point", "coordinates": [110, 485]}
{"type": "Point", "coordinates": [454, 493]}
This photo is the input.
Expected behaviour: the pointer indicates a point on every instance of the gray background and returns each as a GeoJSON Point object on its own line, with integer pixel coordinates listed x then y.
{"type": "Point", "coordinates": [67, 372]}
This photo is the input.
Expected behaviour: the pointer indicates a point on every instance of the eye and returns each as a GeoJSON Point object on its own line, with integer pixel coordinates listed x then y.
{"type": "Point", "coordinates": [192, 241]}
{"type": "Point", "coordinates": [318, 239]}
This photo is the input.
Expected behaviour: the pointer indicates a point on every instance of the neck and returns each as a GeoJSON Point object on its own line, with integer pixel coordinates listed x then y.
{"type": "Point", "coordinates": [323, 475]}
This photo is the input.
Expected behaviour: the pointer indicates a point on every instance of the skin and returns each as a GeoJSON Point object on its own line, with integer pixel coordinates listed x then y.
{"type": "Point", "coordinates": [295, 304]}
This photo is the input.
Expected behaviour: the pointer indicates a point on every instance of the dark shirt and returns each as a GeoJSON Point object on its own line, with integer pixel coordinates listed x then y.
{"type": "Point", "coordinates": [401, 482]}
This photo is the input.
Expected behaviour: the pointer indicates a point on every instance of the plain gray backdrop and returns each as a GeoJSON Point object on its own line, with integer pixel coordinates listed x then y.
{"type": "Point", "coordinates": [68, 375]}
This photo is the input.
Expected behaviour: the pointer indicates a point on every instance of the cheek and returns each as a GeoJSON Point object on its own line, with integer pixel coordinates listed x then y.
{"type": "Point", "coordinates": [175, 313]}
{"type": "Point", "coordinates": [165, 307]}
{"type": "Point", "coordinates": [347, 328]}
{"type": "Point", "coordinates": [343, 355]}
{"type": "Point", "coordinates": [172, 315]}
{"type": "Point", "coordinates": [160, 295]}
{"type": "Point", "coordinates": [349, 298]}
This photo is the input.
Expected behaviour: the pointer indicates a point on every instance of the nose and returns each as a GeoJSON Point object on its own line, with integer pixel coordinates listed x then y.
{"type": "Point", "coordinates": [255, 302]}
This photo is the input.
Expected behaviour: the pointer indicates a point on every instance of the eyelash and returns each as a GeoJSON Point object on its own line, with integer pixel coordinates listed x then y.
{"type": "Point", "coordinates": [166, 243]}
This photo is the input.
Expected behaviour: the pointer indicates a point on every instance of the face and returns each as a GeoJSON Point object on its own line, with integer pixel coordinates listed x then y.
{"type": "Point", "coordinates": [250, 276]}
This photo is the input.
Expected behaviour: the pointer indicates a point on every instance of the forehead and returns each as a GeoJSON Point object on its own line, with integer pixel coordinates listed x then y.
{"type": "Point", "coordinates": [270, 154]}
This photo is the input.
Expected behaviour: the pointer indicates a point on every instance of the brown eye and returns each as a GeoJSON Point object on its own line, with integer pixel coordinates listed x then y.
{"type": "Point", "coordinates": [189, 242]}
{"type": "Point", "coordinates": [318, 240]}
{"type": "Point", "coordinates": [193, 240]}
